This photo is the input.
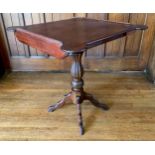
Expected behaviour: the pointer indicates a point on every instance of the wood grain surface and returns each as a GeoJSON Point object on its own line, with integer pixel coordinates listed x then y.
{"type": "Point", "coordinates": [151, 65]}
{"type": "Point", "coordinates": [24, 98]}
{"type": "Point", "coordinates": [135, 46]}
{"type": "Point", "coordinates": [76, 34]}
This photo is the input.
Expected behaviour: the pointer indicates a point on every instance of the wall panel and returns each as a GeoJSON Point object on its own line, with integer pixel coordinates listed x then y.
{"type": "Point", "coordinates": [116, 47]}
{"type": "Point", "coordinates": [133, 41]}
{"type": "Point", "coordinates": [98, 51]}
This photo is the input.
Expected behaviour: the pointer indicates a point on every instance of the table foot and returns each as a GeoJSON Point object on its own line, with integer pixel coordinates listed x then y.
{"type": "Point", "coordinates": [80, 119]}
{"type": "Point", "coordinates": [95, 102]}
{"type": "Point", "coordinates": [60, 103]}
{"type": "Point", "coordinates": [78, 98]}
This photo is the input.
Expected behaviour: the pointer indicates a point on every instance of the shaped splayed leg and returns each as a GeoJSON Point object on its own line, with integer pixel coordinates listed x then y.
{"type": "Point", "coordinates": [95, 102]}
{"type": "Point", "coordinates": [80, 119]}
{"type": "Point", "coordinates": [60, 103]}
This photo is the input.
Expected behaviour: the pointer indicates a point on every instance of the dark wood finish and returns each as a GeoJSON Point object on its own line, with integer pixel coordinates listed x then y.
{"type": "Point", "coordinates": [150, 70]}
{"type": "Point", "coordinates": [77, 95]}
{"type": "Point", "coordinates": [77, 98]}
{"type": "Point", "coordinates": [78, 34]}
{"type": "Point", "coordinates": [2, 70]}
{"type": "Point", "coordinates": [116, 47]}
{"type": "Point", "coordinates": [4, 58]}
{"type": "Point", "coordinates": [127, 53]}
{"type": "Point", "coordinates": [72, 38]}
{"type": "Point", "coordinates": [128, 48]}
{"type": "Point", "coordinates": [99, 51]}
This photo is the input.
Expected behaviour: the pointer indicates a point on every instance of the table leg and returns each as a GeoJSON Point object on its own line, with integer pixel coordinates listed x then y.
{"type": "Point", "coordinates": [95, 102]}
{"type": "Point", "coordinates": [80, 119]}
{"type": "Point", "coordinates": [77, 86]}
{"type": "Point", "coordinates": [60, 103]}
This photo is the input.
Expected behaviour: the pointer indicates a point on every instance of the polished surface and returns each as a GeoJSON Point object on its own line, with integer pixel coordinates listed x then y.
{"type": "Point", "coordinates": [24, 98]}
{"type": "Point", "coordinates": [78, 34]}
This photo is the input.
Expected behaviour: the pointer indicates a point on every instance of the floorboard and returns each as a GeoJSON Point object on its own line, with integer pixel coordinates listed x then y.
{"type": "Point", "coordinates": [25, 97]}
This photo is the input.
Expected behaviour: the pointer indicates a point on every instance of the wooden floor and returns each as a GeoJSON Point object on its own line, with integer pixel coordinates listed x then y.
{"type": "Point", "coordinates": [24, 98]}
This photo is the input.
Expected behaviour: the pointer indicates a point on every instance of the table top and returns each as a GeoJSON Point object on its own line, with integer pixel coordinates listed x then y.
{"type": "Point", "coordinates": [78, 34]}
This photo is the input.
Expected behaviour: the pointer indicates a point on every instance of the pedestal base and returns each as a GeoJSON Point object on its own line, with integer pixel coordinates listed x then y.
{"type": "Point", "coordinates": [77, 95]}
{"type": "Point", "coordinates": [78, 98]}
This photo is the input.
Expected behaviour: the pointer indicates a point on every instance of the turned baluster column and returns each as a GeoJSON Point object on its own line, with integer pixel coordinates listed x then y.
{"type": "Point", "coordinates": [77, 73]}
{"type": "Point", "coordinates": [77, 86]}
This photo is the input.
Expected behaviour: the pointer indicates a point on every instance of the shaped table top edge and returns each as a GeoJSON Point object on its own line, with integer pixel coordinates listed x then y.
{"type": "Point", "coordinates": [88, 45]}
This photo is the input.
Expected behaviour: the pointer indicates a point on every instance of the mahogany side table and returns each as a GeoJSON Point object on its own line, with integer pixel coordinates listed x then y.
{"type": "Point", "coordinates": [72, 38]}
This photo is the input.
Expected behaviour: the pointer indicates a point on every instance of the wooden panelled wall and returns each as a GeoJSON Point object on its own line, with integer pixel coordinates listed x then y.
{"type": "Point", "coordinates": [128, 53]}
{"type": "Point", "coordinates": [4, 59]}
{"type": "Point", "coordinates": [151, 65]}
